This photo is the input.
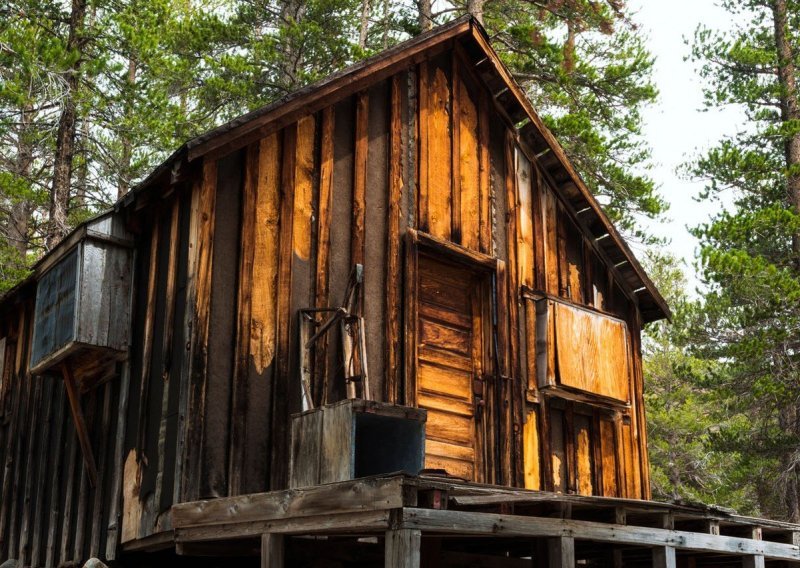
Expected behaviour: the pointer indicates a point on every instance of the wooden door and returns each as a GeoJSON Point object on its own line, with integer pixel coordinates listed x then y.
{"type": "Point", "coordinates": [449, 366]}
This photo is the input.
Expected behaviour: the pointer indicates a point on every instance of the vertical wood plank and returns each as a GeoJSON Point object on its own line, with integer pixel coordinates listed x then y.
{"type": "Point", "coordinates": [562, 222]}
{"type": "Point", "coordinates": [531, 452]}
{"type": "Point", "coordinates": [485, 223]}
{"type": "Point", "coordinates": [664, 557]}
{"type": "Point", "coordinates": [360, 177]}
{"type": "Point", "coordinates": [423, 96]}
{"type": "Point", "coordinates": [403, 548]}
{"type": "Point", "coordinates": [538, 218]}
{"type": "Point", "coordinates": [9, 461]}
{"type": "Point", "coordinates": [393, 264]}
{"type": "Point", "coordinates": [511, 433]}
{"type": "Point", "coordinates": [561, 552]}
{"type": "Point", "coordinates": [166, 348]}
{"type": "Point", "coordinates": [322, 287]}
{"type": "Point", "coordinates": [262, 331]}
{"type": "Point", "coordinates": [608, 445]}
{"type": "Point", "coordinates": [35, 494]}
{"type": "Point", "coordinates": [115, 496]}
{"type": "Point", "coordinates": [550, 241]}
{"type": "Point", "coordinates": [525, 220]}
{"type": "Point", "coordinates": [584, 467]}
{"type": "Point", "coordinates": [272, 550]}
{"type": "Point", "coordinates": [204, 242]}
{"type": "Point", "coordinates": [188, 324]}
{"type": "Point", "coordinates": [455, 152]}
{"type": "Point", "coordinates": [239, 394]}
{"type": "Point", "coordinates": [266, 250]}
{"type": "Point", "coordinates": [642, 460]}
{"type": "Point", "coordinates": [216, 439]}
{"type": "Point", "coordinates": [147, 341]}
{"type": "Point", "coordinates": [468, 158]}
{"type": "Point", "coordinates": [72, 471]}
{"type": "Point", "coordinates": [27, 423]}
{"type": "Point", "coordinates": [280, 413]}
{"type": "Point", "coordinates": [531, 349]}
{"type": "Point", "coordinates": [99, 505]}
{"type": "Point", "coordinates": [58, 455]}
{"type": "Point", "coordinates": [376, 235]}
{"type": "Point", "coordinates": [435, 153]}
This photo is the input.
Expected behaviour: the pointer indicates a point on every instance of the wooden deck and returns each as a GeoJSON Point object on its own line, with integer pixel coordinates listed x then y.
{"type": "Point", "coordinates": [405, 521]}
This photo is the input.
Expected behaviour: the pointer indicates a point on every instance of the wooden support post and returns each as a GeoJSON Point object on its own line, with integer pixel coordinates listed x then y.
{"type": "Point", "coordinates": [664, 557]}
{"type": "Point", "coordinates": [80, 423]}
{"type": "Point", "coordinates": [620, 518]}
{"type": "Point", "coordinates": [561, 552]}
{"type": "Point", "coordinates": [272, 550]}
{"type": "Point", "coordinates": [755, 561]}
{"type": "Point", "coordinates": [403, 548]}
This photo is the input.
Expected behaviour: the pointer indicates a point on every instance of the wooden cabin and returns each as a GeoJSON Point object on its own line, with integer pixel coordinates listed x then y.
{"type": "Point", "coordinates": [394, 269]}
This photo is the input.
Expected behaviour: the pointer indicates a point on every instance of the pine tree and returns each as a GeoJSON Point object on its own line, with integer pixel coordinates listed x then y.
{"type": "Point", "coordinates": [751, 252]}
{"type": "Point", "coordinates": [28, 87]}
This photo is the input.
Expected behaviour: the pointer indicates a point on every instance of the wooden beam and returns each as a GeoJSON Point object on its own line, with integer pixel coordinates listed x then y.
{"type": "Point", "coordinates": [80, 423]}
{"type": "Point", "coordinates": [402, 548]}
{"type": "Point", "coordinates": [364, 522]}
{"type": "Point", "coordinates": [272, 550]}
{"type": "Point", "coordinates": [664, 557]}
{"type": "Point", "coordinates": [468, 523]}
{"type": "Point", "coordinates": [561, 552]}
{"type": "Point", "coordinates": [364, 495]}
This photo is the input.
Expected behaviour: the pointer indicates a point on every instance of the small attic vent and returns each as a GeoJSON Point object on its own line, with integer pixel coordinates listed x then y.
{"type": "Point", "coordinates": [82, 309]}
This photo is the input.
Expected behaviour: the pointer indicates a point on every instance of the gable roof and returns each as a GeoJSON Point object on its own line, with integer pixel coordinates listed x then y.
{"type": "Point", "coordinates": [533, 136]}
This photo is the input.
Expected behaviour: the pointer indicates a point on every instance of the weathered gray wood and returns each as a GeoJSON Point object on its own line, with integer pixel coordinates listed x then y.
{"type": "Point", "coordinates": [324, 442]}
{"type": "Point", "coordinates": [272, 550]}
{"type": "Point", "coordinates": [375, 237]}
{"type": "Point", "coordinates": [561, 552]}
{"type": "Point", "coordinates": [115, 495]}
{"type": "Point", "coordinates": [368, 494]}
{"type": "Point", "coordinates": [337, 444]}
{"type": "Point", "coordinates": [756, 561]}
{"type": "Point", "coordinates": [59, 455]}
{"type": "Point", "coordinates": [326, 523]}
{"type": "Point", "coordinates": [98, 512]}
{"type": "Point", "coordinates": [44, 450]}
{"type": "Point", "coordinates": [402, 548]}
{"type": "Point", "coordinates": [468, 523]}
{"type": "Point", "coordinates": [664, 557]}
{"type": "Point", "coordinates": [304, 468]}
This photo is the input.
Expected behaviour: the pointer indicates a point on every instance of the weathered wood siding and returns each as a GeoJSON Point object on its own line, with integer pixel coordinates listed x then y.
{"type": "Point", "coordinates": [425, 149]}
{"type": "Point", "coordinates": [50, 515]}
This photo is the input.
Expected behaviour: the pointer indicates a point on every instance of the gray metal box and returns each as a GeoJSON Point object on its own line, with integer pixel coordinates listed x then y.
{"type": "Point", "coordinates": [83, 298]}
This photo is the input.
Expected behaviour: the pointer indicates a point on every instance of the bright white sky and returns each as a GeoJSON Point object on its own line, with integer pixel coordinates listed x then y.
{"type": "Point", "coordinates": [676, 127]}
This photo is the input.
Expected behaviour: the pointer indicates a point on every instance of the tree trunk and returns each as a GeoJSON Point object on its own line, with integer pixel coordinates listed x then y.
{"type": "Point", "coordinates": [787, 421]}
{"type": "Point", "coordinates": [22, 209]}
{"type": "Point", "coordinates": [789, 110]}
{"type": "Point", "coordinates": [425, 15]}
{"type": "Point", "coordinates": [475, 9]}
{"type": "Point", "coordinates": [569, 49]}
{"type": "Point", "coordinates": [292, 13]}
{"type": "Point", "coordinates": [364, 24]}
{"type": "Point", "coordinates": [124, 173]}
{"type": "Point", "coordinates": [65, 138]}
